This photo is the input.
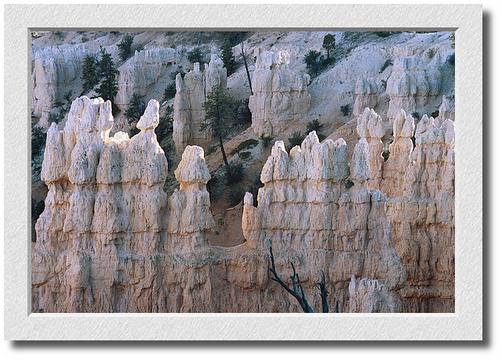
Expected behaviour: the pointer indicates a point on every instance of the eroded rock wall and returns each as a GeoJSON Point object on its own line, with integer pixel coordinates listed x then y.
{"type": "Point", "coordinates": [280, 94]}
{"type": "Point", "coordinates": [110, 239]}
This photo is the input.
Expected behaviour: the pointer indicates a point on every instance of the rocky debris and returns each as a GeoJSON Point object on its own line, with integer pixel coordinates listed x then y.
{"type": "Point", "coordinates": [191, 92]}
{"type": "Point", "coordinates": [280, 94]}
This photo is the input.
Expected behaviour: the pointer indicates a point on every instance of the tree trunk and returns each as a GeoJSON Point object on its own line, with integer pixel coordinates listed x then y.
{"type": "Point", "coordinates": [247, 69]}
{"type": "Point", "coordinates": [225, 160]}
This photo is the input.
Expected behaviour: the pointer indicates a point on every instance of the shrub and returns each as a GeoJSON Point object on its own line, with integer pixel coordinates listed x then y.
{"type": "Point", "coordinates": [383, 34]}
{"type": "Point", "coordinates": [195, 55]}
{"type": "Point", "coordinates": [136, 108]}
{"type": "Point", "coordinates": [451, 59]}
{"type": "Point", "coordinates": [416, 115]}
{"type": "Point", "coordinates": [59, 35]}
{"type": "Point", "coordinates": [314, 125]}
{"type": "Point", "coordinates": [383, 83]}
{"type": "Point", "coordinates": [214, 188]}
{"type": "Point", "coordinates": [234, 173]}
{"type": "Point", "coordinates": [244, 155]}
{"type": "Point", "coordinates": [125, 47]}
{"type": "Point", "coordinates": [169, 92]}
{"type": "Point", "coordinates": [385, 65]}
{"type": "Point", "coordinates": [266, 141]}
{"type": "Point", "coordinates": [435, 114]}
{"type": "Point", "coordinates": [84, 39]}
{"type": "Point", "coordinates": [345, 109]}
{"type": "Point", "coordinates": [55, 117]}
{"type": "Point", "coordinates": [312, 60]}
{"type": "Point", "coordinates": [430, 53]}
{"type": "Point", "coordinates": [295, 139]}
{"type": "Point", "coordinates": [348, 184]}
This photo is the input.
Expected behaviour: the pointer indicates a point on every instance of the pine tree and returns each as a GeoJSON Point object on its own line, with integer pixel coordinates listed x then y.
{"type": "Point", "coordinates": [220, 114]}
{"type": "Point", "coordinates": [312, 61]}
{"type": "Point", "coordinates": [108, 73]}
{"type": "Point", "coordinates": [136, 108]}
{"type": "Point", "coordinates": [328, 43]}
{"type": "Point", "coordinates": [90, 75]}
{"type": "Point", "coordinates": [228, 58]}
{"type": "Point", "coordinates": [125, 47]}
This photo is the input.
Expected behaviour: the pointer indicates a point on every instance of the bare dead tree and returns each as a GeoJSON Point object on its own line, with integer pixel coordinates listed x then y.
{"type": "Point", "coordinates": [246, 66]}
{"type": "Point", "coordinates": [297, 290]}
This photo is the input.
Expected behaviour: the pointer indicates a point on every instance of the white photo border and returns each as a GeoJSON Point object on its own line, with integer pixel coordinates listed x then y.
{"type": "Point", "coordinates": [467, 321]}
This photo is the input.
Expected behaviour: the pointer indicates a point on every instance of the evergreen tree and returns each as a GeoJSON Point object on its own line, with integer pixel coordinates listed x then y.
{"type": "Point", "coordinates": [220, 114]}
{"type": "Point", "coordinates": [329, 44]}
{"type": "Point", "coordinates": [136, 108]}
{"type": "Point", "coordinates": [108, 73]}
{"type": "Point", "coordinates": [125, 47]}
{"type": "Point", "coordinates": [311, 59]}
{"type": "Point", "coordinates": [196, 55]}
{"type": "Point", "coordinates": [228, 58]}
{"type": "Point", "coordinates": [90, 75]}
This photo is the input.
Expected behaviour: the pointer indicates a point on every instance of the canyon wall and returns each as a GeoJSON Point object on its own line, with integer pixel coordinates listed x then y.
{"type": "Point", "coordinates": [280, 94]}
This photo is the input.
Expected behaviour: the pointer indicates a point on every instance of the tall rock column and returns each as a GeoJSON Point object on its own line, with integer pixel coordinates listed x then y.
{"type": "Point", "coordinates": [280, 95]}
{"type": "Point", "coordinates": [371, 127]}
{"type": "Point", "coordinates": [189, 102]}
{"type": "Point", "coordinates": [395, 182]}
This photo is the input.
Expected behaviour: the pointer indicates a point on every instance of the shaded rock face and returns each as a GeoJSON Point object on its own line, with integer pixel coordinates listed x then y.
{"type": "Point", "coordinates": [191, 92]}
{"type": "Point", "coordinates": [280, 94]}
{"type": "Point", "coordinates": [141, 71]}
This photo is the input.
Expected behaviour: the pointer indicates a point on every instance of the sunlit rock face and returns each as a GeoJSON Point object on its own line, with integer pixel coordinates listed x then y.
{"type": "Point", "coordinates": [143, 70]}
{"type": "Point", "coordinates": [111, 240]}
{"type": "Point", "coordinates": [191, 93]}
{"type": "Point", "coordinates": [280, 94]}
{"type": "Point", "coordinates": [54, 71]}
{"type": "Point", "coordinates": [399, 211]}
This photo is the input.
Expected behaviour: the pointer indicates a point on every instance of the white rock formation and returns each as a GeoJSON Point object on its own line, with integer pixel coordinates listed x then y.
{"type": "Point", "coordinates": [412, 85]}
{"type": "Point", "coordinates": [142, 71]}
{"type": "Point", "coordinates": [55, 69]}
{"type": "Point", "coordinates": [280, 94]}
{"type": "Point", "coordinates": [189, 101]}
{"type": "Point", "coordinates": [366, 92]}
{"type": "Point", "coordinates": [306, 209]}
{"type": "Point", "coordinates": [447, 109]}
